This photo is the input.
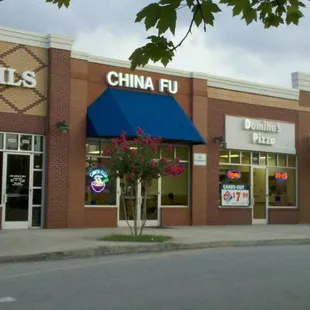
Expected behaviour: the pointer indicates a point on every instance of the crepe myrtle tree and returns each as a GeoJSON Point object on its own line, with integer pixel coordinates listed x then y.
{"type": "Point", "coordinates": [161, 17]}
{"type": "Point", "coordinates": [136, 163]}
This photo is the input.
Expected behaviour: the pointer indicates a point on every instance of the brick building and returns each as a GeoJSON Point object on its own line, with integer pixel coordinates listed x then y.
{"type": "Point", "coordinates": [245, 146]}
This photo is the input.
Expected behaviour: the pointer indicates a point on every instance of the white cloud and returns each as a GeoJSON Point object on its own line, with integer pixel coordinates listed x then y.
{"type": "Point", "coordinates": [231, 49]}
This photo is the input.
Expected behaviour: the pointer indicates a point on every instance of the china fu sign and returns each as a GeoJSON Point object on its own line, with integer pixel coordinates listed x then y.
{"type": "Point", "coordinates": [140, 82]}
{"type": "Point", "coordinates": [10, 77]}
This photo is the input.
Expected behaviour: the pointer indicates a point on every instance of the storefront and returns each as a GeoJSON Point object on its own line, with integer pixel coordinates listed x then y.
{"type": "Point", "coordinates": [244, 146]}
{"type": "Point", "coordinates": [258, 167]}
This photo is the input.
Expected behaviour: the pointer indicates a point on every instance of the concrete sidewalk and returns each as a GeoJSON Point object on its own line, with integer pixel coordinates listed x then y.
{"type": "Point", "coordinates": [37, 244]}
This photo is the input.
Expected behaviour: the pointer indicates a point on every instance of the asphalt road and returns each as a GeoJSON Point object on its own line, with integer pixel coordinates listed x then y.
{"type": "Point", "coordinates": [271, 278]}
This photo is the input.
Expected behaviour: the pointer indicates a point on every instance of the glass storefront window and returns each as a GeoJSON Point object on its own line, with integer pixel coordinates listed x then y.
{"type": "Point", "coordinates": [245, 158]}
{"type": "Point", "coordinates": [37, 178]}
{"type": "Point", "coordinates": [182, 153]}
{"type": "Point", "coordinates": [25, 142]}
{"type": "Point", "coordinates": [224, 157]}
{"type": "Point", "coordinates": [167, 152]}
{"type": "Point", "coordinates": [291, 160]}
{"type": "Point", "coordinates": [282, 187]}
{"type": "Point", "coordinates": [1, 141]}
{"type": "Point", "coordinates": [255, 158]}
{"type": "Point", "coordinates": [262, 159]}
{"type": "Point", "coordinates": [38, 161]}
{"type": "Point", "coordinates": [100, 190]}
{"type": "Point", "coordinates": [243, 180]}
{"type": "Point", "coordinates": [37, 196]}
{"type": "Point", "coordinates": [38, 144]}
{"type": "Point", "coordinates": [11, 141]}
{"type": "Point", "coordinates": [272, 160]}
{"type": "Point", "coordinates": [281, 160]}
{"type": "Point", "coordinates": [93, 147]}
{"type": "Point", "coordinates": [36, 217]}
{"type": "Point", "coordinates": [235, 157]}
{"type": "Point", "coordinates": [175, 189]}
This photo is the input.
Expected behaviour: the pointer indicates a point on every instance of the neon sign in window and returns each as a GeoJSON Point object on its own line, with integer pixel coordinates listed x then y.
{"type": "Point", "coordinates": [233, 174]}
{"type": "Point", "coordinates": [100, 179]}
{"type": "Point", "coordinates": [280, 176]}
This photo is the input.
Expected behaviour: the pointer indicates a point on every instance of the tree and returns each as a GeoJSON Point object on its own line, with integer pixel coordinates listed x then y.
{"type": "Point", "coordinates": [136, 163]}
{"type": "Point", "coordinates": [161, 16]}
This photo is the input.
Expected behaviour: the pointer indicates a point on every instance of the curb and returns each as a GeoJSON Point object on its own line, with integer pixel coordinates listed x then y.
{"type": "Point", "coordinates": [146, 248]}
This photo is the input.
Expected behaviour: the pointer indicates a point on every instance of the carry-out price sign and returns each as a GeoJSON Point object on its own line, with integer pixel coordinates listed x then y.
{"type": "Point", "coordinates": [235, 195]}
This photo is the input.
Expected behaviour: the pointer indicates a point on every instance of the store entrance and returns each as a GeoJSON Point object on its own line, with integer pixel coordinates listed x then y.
{"type": "Point", "coordinates": [259, 195]}
{"type": "Point", "coordinates": [150, 211]}
{"type": "Point", "coordinates": [16, 191]}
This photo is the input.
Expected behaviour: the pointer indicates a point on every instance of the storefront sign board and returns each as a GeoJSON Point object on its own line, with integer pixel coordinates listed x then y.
{"type": "Point", "coordinates": [135, 81]}
{"type": "Point", "coordinates": [8, 76]}
{"type": "Point", "coordinates": [242, 133]}
{"type": "Point", "coordinates": [234, 195]}
{"type": "Point", "coordinates": [200, 159]}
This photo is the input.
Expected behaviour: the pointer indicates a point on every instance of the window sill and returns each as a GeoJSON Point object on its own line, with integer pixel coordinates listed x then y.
{"type": "Point", "coordinates": [174, 206]}
{"type": "Point", "coordinates": [235, 207]}
{"type": "Point", "coordinates": [100, 206]}
{"type": "Point", "coordinates": [283, 207]}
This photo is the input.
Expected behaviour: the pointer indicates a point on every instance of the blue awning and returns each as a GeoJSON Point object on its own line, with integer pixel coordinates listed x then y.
{"type": "Point", "coordinates": [158, 115]}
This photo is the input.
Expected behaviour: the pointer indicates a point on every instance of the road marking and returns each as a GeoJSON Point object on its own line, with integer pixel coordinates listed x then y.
{"type": "Point", "coordinates": [7, 299]}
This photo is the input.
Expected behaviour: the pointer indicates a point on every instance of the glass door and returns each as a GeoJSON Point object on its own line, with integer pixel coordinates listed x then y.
{"type": "Point", "coordinates": [259, 195]}
{"type": "Point", "coordinates": [16, 191]}
{"type": "Point", "coordinates": [150, 211]}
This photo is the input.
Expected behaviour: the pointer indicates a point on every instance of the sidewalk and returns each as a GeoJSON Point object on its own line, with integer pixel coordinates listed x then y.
{"type": "Point", "coordinates": [36, 245]}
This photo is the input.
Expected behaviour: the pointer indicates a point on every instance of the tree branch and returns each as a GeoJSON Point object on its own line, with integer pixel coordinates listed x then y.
{"type": "Point", "coordinates": [188, 31]}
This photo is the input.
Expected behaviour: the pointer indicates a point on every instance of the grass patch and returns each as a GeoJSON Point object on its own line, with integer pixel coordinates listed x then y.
{"type": "Point", "coordinates": [130, 238]}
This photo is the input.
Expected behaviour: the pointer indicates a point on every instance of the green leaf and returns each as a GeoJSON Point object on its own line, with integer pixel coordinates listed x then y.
{"type": "Point", "coordinates": [60, 3]}
{"type": "Point", "coordinates": [158, 49]}
{"type": "Point", "coordinates": [167, 20]}
{"type": "Point", "coordinates": [293, 15]}
{"type": "Point", "coordinates": [208, 7]}
{"type": "Point", "coordinates": [190, 3]}
{"type": "Point", "coordinates": [197, 15]}
{"type": "Point", "coordinates": [151, 15]}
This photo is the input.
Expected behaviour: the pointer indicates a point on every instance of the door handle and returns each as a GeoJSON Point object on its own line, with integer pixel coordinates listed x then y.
{"type": "Point", "coordinates": [4, 198]}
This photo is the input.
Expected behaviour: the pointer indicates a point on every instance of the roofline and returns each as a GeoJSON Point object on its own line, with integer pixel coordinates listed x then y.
{"type": "Point", "coordinates": [66, 43]}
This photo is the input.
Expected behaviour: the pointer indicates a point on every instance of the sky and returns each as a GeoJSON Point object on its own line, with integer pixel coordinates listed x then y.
{"type": "Point", "coordinates": [229, 49]}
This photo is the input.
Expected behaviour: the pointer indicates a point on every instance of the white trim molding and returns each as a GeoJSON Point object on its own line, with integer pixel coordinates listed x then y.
{"type": "Point", "coordinates": [301, 80]}
{"type": "Point", "coordinates": [254, 88]}
{"type": "Point", "coordinates": [35, 39]}
{"type": "Point", "coordinates": [211, 80]}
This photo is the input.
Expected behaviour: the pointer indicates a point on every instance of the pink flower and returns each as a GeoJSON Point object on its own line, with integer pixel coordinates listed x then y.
{"type": "Point", "coordinates": [169, 148]}
{"type": "Point", "coordinates": [140, 131]}
{"type": "Point", "coordinates": [152, 164]}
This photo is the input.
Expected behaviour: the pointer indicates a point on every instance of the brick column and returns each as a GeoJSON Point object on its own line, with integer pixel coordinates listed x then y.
{"type": "Point", "coordinates": [57, 143]}
{"type": "Point", "coordinates": [199, 173]}
{"type": "Point", "coordinates": [78, 111]}
{"type": "Point", "coordinates": [301, 81]}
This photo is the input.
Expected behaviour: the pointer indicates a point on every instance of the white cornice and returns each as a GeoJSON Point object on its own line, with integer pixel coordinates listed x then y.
{"type": "Point", "coordinates": [254, 88]}
{"type": "Point", "coordinates": [126, 64]}
{"type": "Point", "coordinates": [35, 39]}
{"type": "Point", "coordinates": [301, 80]}
{"type": "Point", "coordinates": [213, 81]}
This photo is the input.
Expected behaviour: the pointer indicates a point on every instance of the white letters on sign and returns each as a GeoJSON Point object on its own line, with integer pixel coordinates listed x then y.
{"type": "Point", "coordinates": [140, 82]}
{"type": "Point", "coordinates": [259, 128]}
{"type": "Point", "coordinates": [8, 77]}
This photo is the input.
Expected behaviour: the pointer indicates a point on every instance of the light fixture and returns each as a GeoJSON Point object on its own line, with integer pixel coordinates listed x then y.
{"type": "Point", "coordinates": [220, 140]}
{"type": "Point", "coordinates": [63, 126]}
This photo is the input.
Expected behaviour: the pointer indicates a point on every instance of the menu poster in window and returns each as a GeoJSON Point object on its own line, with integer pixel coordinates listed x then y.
{"type": "Point", "coordinates": [235, 195]}
{"type": "Point", "coordinates": [17, 180]}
